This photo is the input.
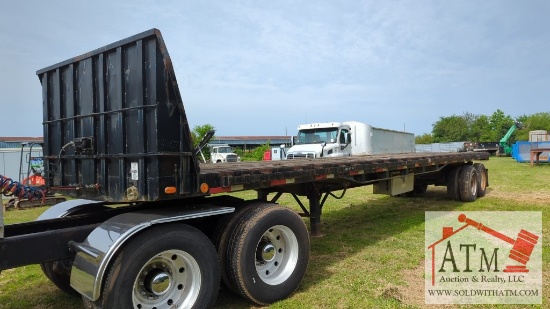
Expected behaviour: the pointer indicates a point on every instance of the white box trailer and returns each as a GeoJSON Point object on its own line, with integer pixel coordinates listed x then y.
{"type": "Point", "coordinates": [366, 139]}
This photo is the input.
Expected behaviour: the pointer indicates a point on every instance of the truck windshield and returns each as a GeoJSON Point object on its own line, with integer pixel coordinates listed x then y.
{"type": "Point", "coordinates": [313, 136]}
{"type": "Point", "coordinates": [224, 150]}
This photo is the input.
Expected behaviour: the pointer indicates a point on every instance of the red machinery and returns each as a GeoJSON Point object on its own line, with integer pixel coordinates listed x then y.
{"type": "Point", "coordinates": [30, 191]}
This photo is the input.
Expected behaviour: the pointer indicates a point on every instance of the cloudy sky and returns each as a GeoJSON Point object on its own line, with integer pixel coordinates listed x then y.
{"type": "Point", "coordinates": [263, 67]}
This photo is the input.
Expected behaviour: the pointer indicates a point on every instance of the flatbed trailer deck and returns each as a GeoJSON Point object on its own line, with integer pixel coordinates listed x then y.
{"type": "Point", "coordinates": [330, 174]}
{"type": "Point", "coordinates": [151, 227]}
{"type": "Point", "coordinates": [357, 169]}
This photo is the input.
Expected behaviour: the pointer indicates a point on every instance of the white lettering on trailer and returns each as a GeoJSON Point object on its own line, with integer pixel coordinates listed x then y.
{"type": "Point", "coordinates": [134, 171]}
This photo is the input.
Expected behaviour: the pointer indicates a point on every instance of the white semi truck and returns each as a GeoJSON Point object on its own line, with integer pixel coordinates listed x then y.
{"type": "Point", "coordinates": [343, 139]}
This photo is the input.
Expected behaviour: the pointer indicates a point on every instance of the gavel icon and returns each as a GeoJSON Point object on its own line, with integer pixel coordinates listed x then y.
{"type": "Point", "coordinates": [522, 246]}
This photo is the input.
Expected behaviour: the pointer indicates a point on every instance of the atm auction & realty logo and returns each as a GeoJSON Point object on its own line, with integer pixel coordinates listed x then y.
{"type": "Point", "coordinates": [483, 257]}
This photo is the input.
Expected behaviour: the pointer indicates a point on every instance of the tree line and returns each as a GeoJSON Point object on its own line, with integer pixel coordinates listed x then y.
{"type": "Point", "coordinates": [483, 128]}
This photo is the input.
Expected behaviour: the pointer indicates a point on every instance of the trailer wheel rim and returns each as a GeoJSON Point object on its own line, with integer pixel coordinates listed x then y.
{"type": "Point", "coordinates": [473, 185]}
{"type": "Point", "coordinates": [483, 181]}
{"type": "Point", "coordinates": [171, 279]}
{"type": "Point", "coordinates": [276, 255]}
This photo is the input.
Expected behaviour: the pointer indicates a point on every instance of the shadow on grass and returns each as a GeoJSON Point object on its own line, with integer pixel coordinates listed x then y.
{"type": "Point", "coordinates": [352, 226]}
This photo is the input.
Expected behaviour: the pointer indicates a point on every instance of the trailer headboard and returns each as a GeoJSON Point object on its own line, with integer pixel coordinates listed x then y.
{"type": "Point", "coordinates": [115, 126]}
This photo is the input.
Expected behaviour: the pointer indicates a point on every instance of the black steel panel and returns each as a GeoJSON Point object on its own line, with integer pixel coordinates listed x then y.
{"type": "Point", "coordinates": [113, 108]}
{"type": "Point", "coordinates": [49, 245]}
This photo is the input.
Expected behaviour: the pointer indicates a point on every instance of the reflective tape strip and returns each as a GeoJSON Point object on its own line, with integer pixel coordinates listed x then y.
{"type": "Point", "coordinates": [279, 182]}
{"type": "Point", "coordinates": [226, 189]}
{"type": "Point", "coordinates": [217, 190]}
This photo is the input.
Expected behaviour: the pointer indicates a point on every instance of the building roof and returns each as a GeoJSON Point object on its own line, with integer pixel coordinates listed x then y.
{"type": "Point", "coordinates": [20, 139]}
{"type": "Point", "coordinates": [10, 141]}
{"type": "Point", "coordinates": [250, 140]}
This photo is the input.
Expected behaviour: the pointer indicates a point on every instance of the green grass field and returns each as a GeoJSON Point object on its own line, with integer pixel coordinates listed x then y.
{"type": "Point", "coordinates": [371, 254]}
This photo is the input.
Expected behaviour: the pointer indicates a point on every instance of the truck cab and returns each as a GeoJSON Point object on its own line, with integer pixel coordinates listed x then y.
{"type": "Point", "coordinates": [222, 153]}
{"type": "Point", "coordinates": [315, 140]}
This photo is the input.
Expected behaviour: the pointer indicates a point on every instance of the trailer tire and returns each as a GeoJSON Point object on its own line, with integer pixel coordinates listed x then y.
{"type": "Point", "coordinates": [269, 253]}
{"type": "Point", "coordinates": [59, 273]}
{"type": "Point", "coordinates": [221, 236]}
{"type": "Point", "coordinates": [453, 187]}
{"type": "Point", "coordinates": [468, 183]}
{"type": "Point", "coordinates": [166, 266]}
{"type": "Point", "coordinates": [482, 179]}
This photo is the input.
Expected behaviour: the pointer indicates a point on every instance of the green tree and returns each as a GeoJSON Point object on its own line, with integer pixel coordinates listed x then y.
{"type": "Point", "coordinates": [199, 132]}
{"type": "Point", "coordinates": [450, 129]}
{"type": "Point", "coordinates": [256, 154]}
{"type": "Point", "coordinates": [538, 121]}
{"type": "Point", "coordinates": [500, 124]}
{"type": "Point", "coordinates": [471, 127]}
{"type": "Point", "coordinates": [480, 130]}
{"type": "Point", "coordinates": [425, 138]}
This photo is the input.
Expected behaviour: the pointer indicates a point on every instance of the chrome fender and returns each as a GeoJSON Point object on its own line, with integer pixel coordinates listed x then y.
{"type": "Point", "coordinates": [67, 208]}
{"type": "Point", "coordinates": [94, 255]}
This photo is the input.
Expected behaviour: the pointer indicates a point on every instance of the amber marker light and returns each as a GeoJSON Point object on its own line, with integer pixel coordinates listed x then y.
{"type": "Point", "coordinates": [204, 188]}
{"type": "Point", "coordinates": [170, 190]}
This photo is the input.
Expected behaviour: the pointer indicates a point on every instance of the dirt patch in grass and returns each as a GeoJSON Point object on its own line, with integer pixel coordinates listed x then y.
{"type": "Point", "coordinates": [529, 198]}
{"type": "Point", "coordinates": [413, 291]}
{"type": "Point", "coordinates": [392, 292]}
{"type": "Point", "coordinates": [534, 198]}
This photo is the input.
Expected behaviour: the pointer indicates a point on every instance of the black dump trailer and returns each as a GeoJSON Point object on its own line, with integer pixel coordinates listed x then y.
{"type": "Point", "coordinates": [151, 228]}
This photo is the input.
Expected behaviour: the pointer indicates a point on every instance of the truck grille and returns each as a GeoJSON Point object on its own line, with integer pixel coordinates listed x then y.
{"type": "Point", "coordinates": [231, 158]}
{"type": "Point", "coordinates": [300, 155]}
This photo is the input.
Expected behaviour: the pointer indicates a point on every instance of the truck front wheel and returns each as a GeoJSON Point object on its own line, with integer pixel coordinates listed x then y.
{"type": "Point", "coordinates": [268, 254]}
{"type": "Point", "coordinates": [167, 266]}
